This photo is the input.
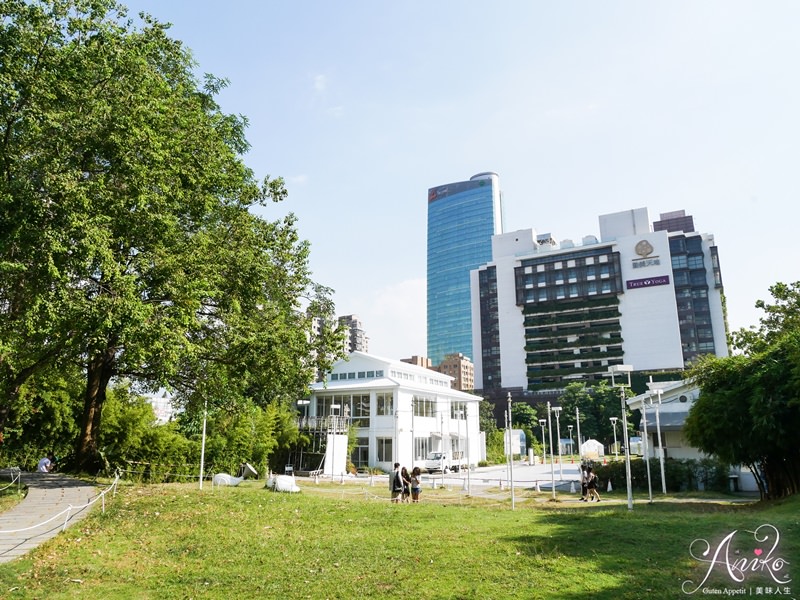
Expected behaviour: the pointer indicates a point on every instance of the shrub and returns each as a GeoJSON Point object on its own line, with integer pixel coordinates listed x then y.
{"type": "Point", "coordinates": [680, 475]}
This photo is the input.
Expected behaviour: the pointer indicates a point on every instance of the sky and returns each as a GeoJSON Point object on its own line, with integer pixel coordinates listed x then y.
{"type": "Point", "coordinates": [582, 108]}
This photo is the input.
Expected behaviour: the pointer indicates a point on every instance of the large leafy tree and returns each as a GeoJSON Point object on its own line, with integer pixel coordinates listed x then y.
{"type": "Point", "coordinates": [128, 243]}
{"type": "Point", "coordinates": [748, 411]}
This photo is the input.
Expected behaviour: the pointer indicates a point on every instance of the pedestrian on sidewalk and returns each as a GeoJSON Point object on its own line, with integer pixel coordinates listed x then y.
{"type": "Point", "coordinates": [591, 485]}
{"type": "Point", "coordinates": [584, 488]}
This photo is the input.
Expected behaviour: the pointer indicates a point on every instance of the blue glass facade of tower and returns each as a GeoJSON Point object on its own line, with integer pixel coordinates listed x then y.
{"type": "Point", "coordinates": [462, 218]}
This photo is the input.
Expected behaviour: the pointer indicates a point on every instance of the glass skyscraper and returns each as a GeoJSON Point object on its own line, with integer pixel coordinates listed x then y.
{"type": "Point", "coordinates": [462, 218]}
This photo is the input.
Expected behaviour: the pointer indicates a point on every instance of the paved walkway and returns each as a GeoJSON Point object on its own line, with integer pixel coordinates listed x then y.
{"type": "Point", "coordinates": [43, 512]}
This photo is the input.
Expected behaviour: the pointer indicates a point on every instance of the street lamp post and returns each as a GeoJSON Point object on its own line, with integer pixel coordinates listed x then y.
{"type": "Point", "coordinates": [616, 447]}
{"type": "Point", "coordinates": [510, 453]}
{"type": "Point", "coordinates": [647, 452]}
{"type": "Point", "coordinates": [557, 410]}
{"type": "Point", "coordinates": [552, 466]}
{"type": "Point", "coordinates": [304, 402]}
{"type": "Point", "coordinates": [543, 422]}
{"type": "Point", "coordinates": [614, 369]}
{"type": "Point", "coordinates": [203, 444]}
{"type": "Point", "coordinates": [469, 464]}
{"type": "Point", "coordinates": [333, 439]}
{"type": "Point", "coordinates": [660, 444]}
{"type": "Point", "coordinates": [441, 454]}
{"type": "Point", "coordinates": [578, 422]}
{"type": "Point", "coordinates": [571, 447]}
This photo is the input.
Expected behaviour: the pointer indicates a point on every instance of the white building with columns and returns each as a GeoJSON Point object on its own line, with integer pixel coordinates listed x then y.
{"type": "Point", "coordinates": [400, 412]}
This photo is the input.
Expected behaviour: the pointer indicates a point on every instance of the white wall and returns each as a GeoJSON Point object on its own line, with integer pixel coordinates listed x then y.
{"type": "Point", "coordinates": [649, 320]}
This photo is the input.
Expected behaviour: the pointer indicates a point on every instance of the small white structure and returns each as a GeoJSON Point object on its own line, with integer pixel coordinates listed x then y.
{"type": "Point", "coordinates": [672, 401]}
{"type": "Point", "coordinates": [400, 413]}
{"type": "Point", "coordinates": [519, 442]}
{"type": "Point", "coordinates": [282, 483]}
{"type": "Point", "coordinates": [246, 471]}
{"type": "Point", "coordinates": [592, 449]}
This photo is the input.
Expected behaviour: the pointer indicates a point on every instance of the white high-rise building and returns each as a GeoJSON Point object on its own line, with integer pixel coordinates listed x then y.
{"type": "Point", "coordinates": [546, 313]}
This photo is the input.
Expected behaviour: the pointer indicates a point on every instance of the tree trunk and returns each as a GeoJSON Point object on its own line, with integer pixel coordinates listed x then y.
{"type": "Point", "coordinates": [98, 373]}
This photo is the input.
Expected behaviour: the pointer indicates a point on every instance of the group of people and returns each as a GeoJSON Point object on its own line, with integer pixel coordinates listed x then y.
{"type": "Point", "coordinates": [405, 485]}
{"type": "Point", "coordinates": [588, 485]}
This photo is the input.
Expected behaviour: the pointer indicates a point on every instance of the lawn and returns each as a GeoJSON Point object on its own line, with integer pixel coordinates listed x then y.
{"type": "Point", "coordinates": [175, 541]}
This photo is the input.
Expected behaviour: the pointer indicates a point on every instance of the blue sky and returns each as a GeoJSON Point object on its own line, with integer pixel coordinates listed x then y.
{"type": "Point", "coordinates": [582, 108]}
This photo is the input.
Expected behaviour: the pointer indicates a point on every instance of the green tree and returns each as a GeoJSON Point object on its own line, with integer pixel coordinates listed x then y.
{"type": "Point", "coordinates": [748, 411]}
{"type": "Point", "coordinates": [781, 317]}
{"type": "Point", "coordinates": [129, 245]}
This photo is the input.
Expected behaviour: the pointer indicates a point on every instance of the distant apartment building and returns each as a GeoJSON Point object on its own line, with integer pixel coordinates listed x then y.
{"type": "Point", "coordinates": [461, 369]}
{"type": "Point", "coordinates": [462, 218]}
{"type": "Point", "coordinates": [546, 313]}
{"type": "Point", "coordinates": [420, 361]}
{"type": "Point", "coordinates": [356, 339]}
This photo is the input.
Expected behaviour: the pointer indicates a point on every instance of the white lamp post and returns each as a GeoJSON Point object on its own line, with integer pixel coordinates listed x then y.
{"type": "Point", "coordinates": [660, 444]}
{"type": "Point", "coordinates": [571, 447]}
{"type": "Point", "coordinates": [552, 466]}
{"type": "Point", "coordinates": [616, 447]}
{"type": "Point", "coordinates": [557, 410]}
{"type": "Point", "coordinates": [578, 421]}
{"type": "Point", "coordinates": [333, 438]}
{"type": "Point", "coordinates": [465, 413]}
{"type": "Point", "coordinates": [304, 402]}
{"type": "Point", "coordinates": [441, 454]}
{"type": "Point", "coordinates": [203, 444]}
{"type": "Point", "coordinates": [614, 369]}
{"type": "Point", "coordinates": [647, 453]}
{"type": "Point", "coordinates": [510, 453]}
{"type": "Point", "coordinates": [543, 422]}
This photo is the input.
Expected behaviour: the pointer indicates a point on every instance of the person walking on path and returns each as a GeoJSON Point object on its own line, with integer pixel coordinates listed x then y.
{"type": "Point", "coordinates": [416, 484]}
{"type": "Point", "coordinates": [591, 484]}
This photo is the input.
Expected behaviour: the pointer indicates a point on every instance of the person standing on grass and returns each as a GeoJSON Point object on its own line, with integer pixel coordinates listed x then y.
{"type": "Point", "coordinates": [584, 488]}
{"type": "Point", "coordinates": [396, 484]}
{"type": "Point", "coordinates": [591, 484]}
{"type": "Point", "coordinates": [416, 484]}
{"type": "Point", "coordinates": [406, 484]}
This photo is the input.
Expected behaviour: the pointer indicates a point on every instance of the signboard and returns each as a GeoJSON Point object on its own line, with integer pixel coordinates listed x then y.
{"type": "Point", "coordinates": [633, 284]}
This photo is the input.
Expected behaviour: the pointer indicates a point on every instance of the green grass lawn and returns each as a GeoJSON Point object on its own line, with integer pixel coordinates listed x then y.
{"type": "Point", "coordinates": [10, 495]}
{"type": "Point", "coordinates": [175, 541]}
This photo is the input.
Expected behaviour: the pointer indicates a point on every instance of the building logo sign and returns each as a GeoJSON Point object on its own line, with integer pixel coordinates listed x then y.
{"type": "Point", "coordinates": [634, 284]}
{"type": "Point", "coordinates": [744, 563]}
{"type": "Point", "coordinates": [644, 248]}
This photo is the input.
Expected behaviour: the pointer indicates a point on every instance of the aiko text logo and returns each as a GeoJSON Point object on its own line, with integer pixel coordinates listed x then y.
{"type": "Point", "coordinates": [741, 558]}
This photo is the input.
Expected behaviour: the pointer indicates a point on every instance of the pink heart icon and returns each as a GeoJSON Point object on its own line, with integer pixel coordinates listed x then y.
{"type": "Point", "coordinates": [758, 551]}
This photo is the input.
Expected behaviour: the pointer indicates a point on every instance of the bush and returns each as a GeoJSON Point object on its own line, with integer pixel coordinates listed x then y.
{"type": "Point", "coordinates": [680, 475]}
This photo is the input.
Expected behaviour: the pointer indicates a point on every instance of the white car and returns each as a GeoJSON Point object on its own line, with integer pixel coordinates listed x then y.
{"type": "Point", "coordinates": [441, 461]}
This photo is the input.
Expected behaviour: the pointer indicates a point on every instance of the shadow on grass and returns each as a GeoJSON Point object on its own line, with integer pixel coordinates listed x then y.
{"type": "Point", "coordinates": [645, 553]}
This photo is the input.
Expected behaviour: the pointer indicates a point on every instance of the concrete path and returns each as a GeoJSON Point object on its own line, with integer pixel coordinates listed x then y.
{"type": "Point", "coordinates": [44, 511]}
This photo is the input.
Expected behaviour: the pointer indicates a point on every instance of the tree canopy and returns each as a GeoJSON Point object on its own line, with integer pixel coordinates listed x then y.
{"type": "Point", "coordinates": [128, 244]}
{"type": "Point", "coordinates": [748, 411]}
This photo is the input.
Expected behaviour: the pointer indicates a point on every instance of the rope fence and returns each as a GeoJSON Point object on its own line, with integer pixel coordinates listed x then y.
{"type": "Point", "coordinates": [68, 512]}
{"type": "Point", "coordinates": [16, 477]}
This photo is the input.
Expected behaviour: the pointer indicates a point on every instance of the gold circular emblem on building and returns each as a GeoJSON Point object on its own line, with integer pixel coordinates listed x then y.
{"type": "Point", "coordinates": [644, 248]}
